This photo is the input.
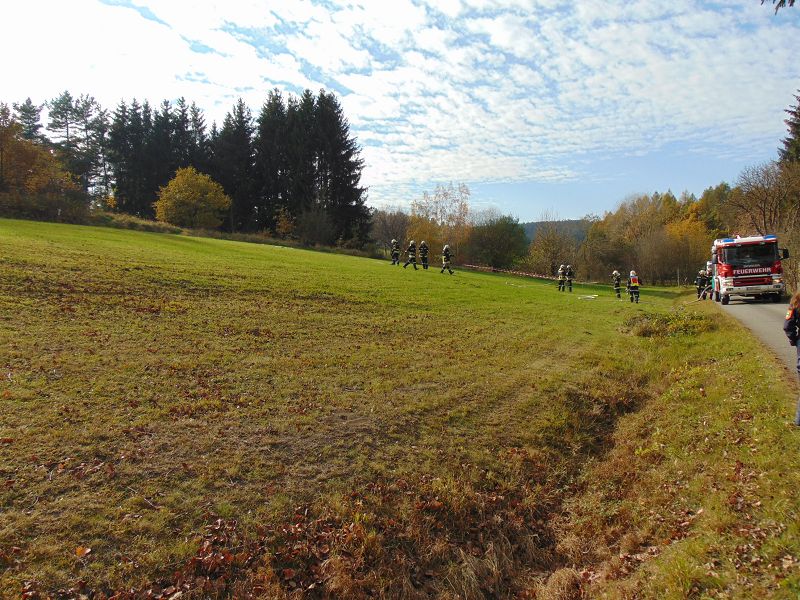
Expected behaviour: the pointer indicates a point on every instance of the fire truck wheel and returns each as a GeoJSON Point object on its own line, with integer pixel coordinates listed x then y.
{"type": "Point", "coordinates": [725, 299]}
{"type": "Point", "coordinates": [776, 298]}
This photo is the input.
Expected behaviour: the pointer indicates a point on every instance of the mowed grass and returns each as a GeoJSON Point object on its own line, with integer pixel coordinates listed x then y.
{"type": "Point", "coordinates": [361, 429]}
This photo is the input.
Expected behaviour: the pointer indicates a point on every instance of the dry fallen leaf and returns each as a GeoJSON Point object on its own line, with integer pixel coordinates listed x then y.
{"type": "Point", "coordinates": [82, 551]}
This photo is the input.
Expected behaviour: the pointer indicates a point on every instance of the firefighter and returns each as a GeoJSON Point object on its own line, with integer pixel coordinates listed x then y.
{"type": "Point", "coordinates": [616, 278]}
{"type": "Point", "coordinates": [412, 255]}
{"type": "Point", "coordinates": [701, 282]}
{"type": "Point", "coordinates": [709, 284]}
{"type": "Point", "coordinates": [570, 275]}
{"type": "Point", "coordinates": [395, 252]}
{"type": "Point", "coordinates": [446, 258]}
{"type": "Point", "coordinates": [791, 326]}
{"type": "Point", "coordinates": [423, 254]}
{"type": "Point", "coordinates": [633, 287]}
{"type": "Point", "coordinates": [562, 277]}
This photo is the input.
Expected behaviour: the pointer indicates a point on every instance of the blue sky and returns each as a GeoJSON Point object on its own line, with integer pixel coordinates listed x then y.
{"type": "Point", "coordinates": [538, 105]}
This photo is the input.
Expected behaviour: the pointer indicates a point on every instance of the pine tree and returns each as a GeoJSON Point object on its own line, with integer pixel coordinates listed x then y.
{"type": "Point", "coordinates": [200, 147]}
{"type": "Point", "coordinates": [138, 132]}
{"type": "Point", "coordinates": [233, 166]}
{"type": "Point", "coordinates": [84, 160]}
{"type": "Point", "coordinates": [28, 115]}
{"type": "Point", "coordinates": [100, 139]}
{"type": "Point", "coordinates": [128, 159]}
{"type": "Point", "coordinates": [791, 144]}
{"type": "Point", "coordinates": [79, 126]}
{"type": "Point", "coordinates": [339, 167]}
{"type": "Point", "coordinates": [63, 118]}
{"type": "Point", "coordinates": [119, 156]}
{"type": "Point", "coordinates": [300, 154]}
{"type": "Point", "coordinates": [270, 160]}
{"type": "Point", "coordinates": [181, 135]}
{"type": "Point", "coordinates": [161, 155]}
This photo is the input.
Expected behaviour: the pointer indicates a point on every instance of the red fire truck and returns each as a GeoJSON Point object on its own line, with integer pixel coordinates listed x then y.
{"type": "Point", "coordinates": [748, 266]}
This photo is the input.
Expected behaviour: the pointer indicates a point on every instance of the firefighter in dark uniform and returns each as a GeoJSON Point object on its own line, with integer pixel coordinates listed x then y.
{"type": "Point", "coordinates": [395, 252]}
{"type": "Point", "coordinates": [701, 282]}
{"type": "Point", "coordinates": [791, 326]}
{"type": "Point", "coordinates": [633, 287]}
{"type": "Point", "coordinates": [446, 258]}
{"type": "Point", "coordinates": [616, 278]}
{"type": "Point", "coordinates": [562, 277]}
{"type": "Point", "coordinates": [423, 254]}
{"type": "Point", "coordinates": [570, 275]}
{"type": "Point", "coordinates": [412, 255]}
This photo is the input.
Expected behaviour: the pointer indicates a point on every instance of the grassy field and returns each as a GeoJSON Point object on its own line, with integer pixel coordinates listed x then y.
{"type": "Point", "coordinates": [205, 417]}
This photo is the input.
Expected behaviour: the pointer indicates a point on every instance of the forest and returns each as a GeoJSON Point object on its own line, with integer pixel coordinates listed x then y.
{"type": "Point", "coordinates": [296, 158]}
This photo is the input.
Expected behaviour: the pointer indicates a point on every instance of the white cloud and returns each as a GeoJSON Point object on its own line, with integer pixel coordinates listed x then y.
{"type": "Point", "coordinates": [474, 90]}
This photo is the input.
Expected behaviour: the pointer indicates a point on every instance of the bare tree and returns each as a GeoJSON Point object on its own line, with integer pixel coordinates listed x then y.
{"type": "Point", "coordinates": [765, 199]}
{"type": "Point", "coordinates": [442, 217]}
{"type": "Point", "coordinates": [551, 247]}
{"type": "Point", "coordinates": [390, 224]}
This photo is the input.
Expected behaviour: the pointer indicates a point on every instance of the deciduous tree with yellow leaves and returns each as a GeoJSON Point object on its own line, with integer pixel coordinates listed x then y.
{"type": "Point", "coordinates": [192, 199]}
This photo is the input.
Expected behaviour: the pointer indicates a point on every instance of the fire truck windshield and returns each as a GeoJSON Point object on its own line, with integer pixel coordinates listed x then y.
{"type": "Point", "coordinates": [756, 255]}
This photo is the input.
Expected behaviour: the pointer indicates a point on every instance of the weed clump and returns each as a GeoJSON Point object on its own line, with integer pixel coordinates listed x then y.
{"type": "Point", "coordinates": [123, 221]}
{"type": "Point", "coordinates": [669, 324]}
{"type": "Point", "coordinates": [563, 584]}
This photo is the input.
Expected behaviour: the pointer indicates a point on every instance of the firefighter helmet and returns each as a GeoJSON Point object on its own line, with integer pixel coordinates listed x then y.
{"type": "Point", "coordinates": [615, 272]}
{"type": "Point", "coordinates": [446, 247]}
{"type": "Point", "coordinates": [411, 242]}
{"type": "Point", "coordinates": [394, 241]}
{"type": "Point", "coordinates": [633, 273]}
{"type": "Point", "coordinates": [423, 243]}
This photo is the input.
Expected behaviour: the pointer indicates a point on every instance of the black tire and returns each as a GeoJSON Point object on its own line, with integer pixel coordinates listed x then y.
{"type": "Point", "coordinates": [777, 298]}
{"type": "Point", "coordinates": [725, 299]}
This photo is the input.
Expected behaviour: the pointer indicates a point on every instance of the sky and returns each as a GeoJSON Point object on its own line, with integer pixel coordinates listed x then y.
{"type": "Point", "coordinates": [542, 107]}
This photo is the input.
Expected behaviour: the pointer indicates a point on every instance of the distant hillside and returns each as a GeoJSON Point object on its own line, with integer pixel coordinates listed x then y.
{"type": "Point", "coordinates": [575, 228]}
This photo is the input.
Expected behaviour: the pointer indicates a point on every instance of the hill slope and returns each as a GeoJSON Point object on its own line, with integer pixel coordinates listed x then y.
{"type": "Point", "coordinates": [576, 229]}
{"type": "Point", "coordinates": [225, 418]}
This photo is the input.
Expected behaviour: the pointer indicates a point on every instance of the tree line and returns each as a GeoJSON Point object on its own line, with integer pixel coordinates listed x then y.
{"type": "Point", "coordinates": [296, 161]}
{"type": "Point", "coordinates": [294, 171]}
{"type": "Point", "coordinates": [667, 239]}
{"type": "Point", "coordinates": [664, 237]}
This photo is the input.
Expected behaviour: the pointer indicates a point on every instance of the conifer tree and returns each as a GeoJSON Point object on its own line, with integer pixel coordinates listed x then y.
{"type": "Point", "coordinates": [63, 118]}
{"type": "Point", "coordinates": [181, 141]}
{"type": "Point", "coordinates": [160, 150]}
{"type": "Point", "coordinates": [233, 165]}
{"type": "Point", "coordinates": [83, 160]}
{"type": "Point", "coordinates": [300, 153]}
{"type": "Point", "coordinates": [79, 126]}
{"type": "Point", "coordinates": [119, 157]}
{"type": "Point", "coordinates": [270, 160]}
{"type": "Point", "coordinates": [128, 136]}
{"type": "Point", "coordinates": [791, 144]}
{"type": "Point", "coordinates": [200, 146]}
{"type": "Point", "coordinates": [28, 115]}
{"type": "Point", "coordinates": [339, 169]}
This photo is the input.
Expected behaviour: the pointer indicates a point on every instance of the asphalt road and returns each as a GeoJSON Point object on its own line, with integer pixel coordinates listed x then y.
{"type": "Point", "coordinates": [765, 320]}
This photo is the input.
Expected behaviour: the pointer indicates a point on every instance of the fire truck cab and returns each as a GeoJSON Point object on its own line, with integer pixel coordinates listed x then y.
{"type": "Point", "coordinates": [749, 267]}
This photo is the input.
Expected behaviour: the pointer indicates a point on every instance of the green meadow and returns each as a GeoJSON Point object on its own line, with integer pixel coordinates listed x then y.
{"type": "Point", "coordinates": [201, 418]}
